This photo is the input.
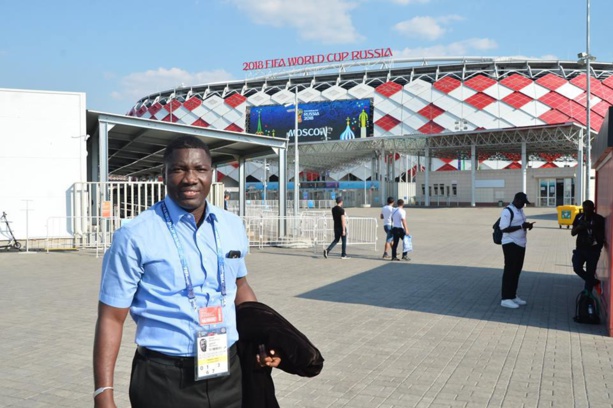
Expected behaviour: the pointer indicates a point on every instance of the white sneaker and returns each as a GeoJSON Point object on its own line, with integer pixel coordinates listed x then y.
{"type": "Point", "coordinates": [519, 301]}
{"type": "Point", "coordinates": [509, 303]}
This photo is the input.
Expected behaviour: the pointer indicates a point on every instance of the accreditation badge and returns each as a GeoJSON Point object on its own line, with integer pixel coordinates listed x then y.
{"type": "Point", "coordinates": [212, 354]}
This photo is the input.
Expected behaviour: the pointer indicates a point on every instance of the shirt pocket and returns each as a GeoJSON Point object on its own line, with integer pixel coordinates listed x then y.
{"type": "Point", "coordinates": [234, 267]}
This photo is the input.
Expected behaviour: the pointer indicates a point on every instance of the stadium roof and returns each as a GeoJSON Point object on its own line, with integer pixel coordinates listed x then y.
{"type": "Point", "coordinates": [561, 139]}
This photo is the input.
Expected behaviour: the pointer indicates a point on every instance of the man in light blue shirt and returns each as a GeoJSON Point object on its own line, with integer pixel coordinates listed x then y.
{"type": "Point", "coordinates": [179, 270]}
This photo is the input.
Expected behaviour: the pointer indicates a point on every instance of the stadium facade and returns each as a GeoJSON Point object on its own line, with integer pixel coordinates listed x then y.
{"type": "Point", "coordinates": [388, 98]}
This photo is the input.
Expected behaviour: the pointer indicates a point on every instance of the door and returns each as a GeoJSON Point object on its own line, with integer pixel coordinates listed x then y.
{"type": "Point", "coordinates": [547, 193]}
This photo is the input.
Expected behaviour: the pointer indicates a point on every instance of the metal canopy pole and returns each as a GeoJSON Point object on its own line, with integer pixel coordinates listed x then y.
{"type": "Point", "coordinates": [242, 177]}
{"type": "Point", "coordinates": [523, 167]}
{"type": "Point", "coordinates": [579, 188]}
{"type": "Point", "coordinates": [588, 133]}
{"type": "Point", "coordinates": [473, 174]}
{"type": "Point", "coordinates": [427, 178]}
{"type": "Point", "coordinates": [282, 190]}
{"type": "Point", "coordinates": [296, 158]}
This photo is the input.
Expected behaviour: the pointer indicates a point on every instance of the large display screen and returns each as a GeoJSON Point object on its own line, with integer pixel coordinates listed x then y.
{"type": "Point", "coordinates": [317, 121]}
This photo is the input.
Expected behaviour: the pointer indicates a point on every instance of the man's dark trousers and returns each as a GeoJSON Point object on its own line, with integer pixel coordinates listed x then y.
{"type": "Point", "coordinates": [338, 236]}
{"type": "Point", "coordinates": [159, 381]}
{"type": "Point", "coordinates": [513, 263]}
{"type": "Point", "coordinates": [588, 257]}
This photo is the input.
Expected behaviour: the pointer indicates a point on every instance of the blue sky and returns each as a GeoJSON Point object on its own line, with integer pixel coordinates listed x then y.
{"type": "Point", "coordinates": [118, 51]}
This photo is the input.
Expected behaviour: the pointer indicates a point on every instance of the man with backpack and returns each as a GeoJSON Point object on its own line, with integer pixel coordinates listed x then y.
{"type": "Point", "coordinates": [589, 229]}
{"type": "Point", "coordinates": [514, 227]}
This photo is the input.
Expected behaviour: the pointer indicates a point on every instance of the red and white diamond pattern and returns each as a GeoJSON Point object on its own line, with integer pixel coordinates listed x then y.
{"type": "Point", "coordinates": [448, 104]}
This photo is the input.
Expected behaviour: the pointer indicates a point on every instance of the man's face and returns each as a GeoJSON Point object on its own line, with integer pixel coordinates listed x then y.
{"type": "Point", "coordinates": [188, 176]}
{"type": "Point", "coordinates": [519, 204]}
{"type": "Point", "coordinates": [588, 209]}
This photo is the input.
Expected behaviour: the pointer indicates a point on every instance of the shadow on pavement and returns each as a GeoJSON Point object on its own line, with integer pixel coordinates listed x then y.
{"type": "Point", "coordinates": [464, 292]}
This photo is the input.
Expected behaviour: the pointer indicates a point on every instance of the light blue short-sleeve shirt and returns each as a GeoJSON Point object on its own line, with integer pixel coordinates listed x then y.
{"type": "Point", "coordinates": [142, 270]}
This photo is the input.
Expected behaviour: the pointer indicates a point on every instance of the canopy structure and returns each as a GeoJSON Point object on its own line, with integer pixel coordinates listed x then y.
{"type": "Point", "coordinates": [130, 146]}
{"type": "Point", "coordinates": [562, 139]}
{"type": "Point", "coordinates": [127, 146]}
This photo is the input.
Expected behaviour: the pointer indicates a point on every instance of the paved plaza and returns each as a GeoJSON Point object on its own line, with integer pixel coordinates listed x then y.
{"type": "Point", "coordinates": [424, 333]}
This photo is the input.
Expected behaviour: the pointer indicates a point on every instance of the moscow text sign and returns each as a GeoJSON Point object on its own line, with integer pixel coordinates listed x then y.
{"type": "Point", "coordinates": [317, 121]}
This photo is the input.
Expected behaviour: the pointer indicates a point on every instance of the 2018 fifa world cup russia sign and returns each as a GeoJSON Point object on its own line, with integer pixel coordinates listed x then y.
{"type": "Point", "coordinates": [332, 57]}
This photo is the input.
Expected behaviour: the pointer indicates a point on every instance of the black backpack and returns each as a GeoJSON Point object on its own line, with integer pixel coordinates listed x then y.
{"type": "Point", "coordinates": [497, 234]}
{"type": "Point", "coordinates": [586, 308]}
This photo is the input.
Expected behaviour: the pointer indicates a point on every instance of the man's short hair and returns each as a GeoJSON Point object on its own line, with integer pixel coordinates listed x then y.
{"type": "Point", "coordinates": [339, 200]}
{"type": "Point", "coordinates": [185, 142]}
{"type": "Point", "coordinates": [400, 202]}
{"type": "Point", "coordinates": [390, 200]}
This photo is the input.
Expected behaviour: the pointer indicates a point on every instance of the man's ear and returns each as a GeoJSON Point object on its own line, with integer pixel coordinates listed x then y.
{"type": "Point", "coordinates": [164, 175]}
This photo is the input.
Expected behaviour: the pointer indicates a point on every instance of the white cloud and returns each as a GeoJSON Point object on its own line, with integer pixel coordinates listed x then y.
{"type": "Point", "coordinates": [430, 28]}
{"type": "Point", "coordinates": [326, 21]}
{"type": "Point", "coordinates": [455, 49]}
{"type": "Point", "coordinates": [138, 84]}
{"type": "Point", "coordinates": [548, 57]}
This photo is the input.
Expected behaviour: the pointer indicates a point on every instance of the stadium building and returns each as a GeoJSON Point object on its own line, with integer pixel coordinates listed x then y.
{"type": "Point", "coordinates": [435, 131]}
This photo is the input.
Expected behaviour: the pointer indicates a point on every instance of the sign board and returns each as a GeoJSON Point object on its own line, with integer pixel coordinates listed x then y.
{"type": "Point", "coordinates": [106, 209]}
{"type": "Point", "coordinates": [317, 121]}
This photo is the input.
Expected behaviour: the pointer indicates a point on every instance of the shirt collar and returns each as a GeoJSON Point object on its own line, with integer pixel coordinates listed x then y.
{"type": "Point", "coordinates": [177, 213]}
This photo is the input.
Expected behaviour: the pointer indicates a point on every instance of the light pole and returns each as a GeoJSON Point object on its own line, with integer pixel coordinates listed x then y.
{"type": "Point", "coordinates": [587, 58]}
{"type": "Point", "coordinates": [296, 158]}
{"type": "Point", "coordinates": [265, 181]}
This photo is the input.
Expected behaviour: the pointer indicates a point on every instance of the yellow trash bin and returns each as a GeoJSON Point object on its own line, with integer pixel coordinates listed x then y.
{"type": "Point", "coordinates": [567, 214]}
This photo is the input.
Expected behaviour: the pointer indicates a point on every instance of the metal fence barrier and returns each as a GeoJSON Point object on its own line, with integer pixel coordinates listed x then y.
{"type": "Point", "coordinates": [309, 230]}
{"type": "Point", "coordinates": [360, 231]}
{"type": "Point", "coordinates": [77, 233]}
{"type": "Point", "coordinates": [99, 209]}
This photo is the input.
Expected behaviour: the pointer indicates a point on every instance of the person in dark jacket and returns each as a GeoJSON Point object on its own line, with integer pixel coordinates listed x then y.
{"type": "Point", "coordinates": [589, 229]}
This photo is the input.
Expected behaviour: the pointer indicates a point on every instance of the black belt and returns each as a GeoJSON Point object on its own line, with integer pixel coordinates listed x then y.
{"type": "Point", "coordinates": [165, 359]}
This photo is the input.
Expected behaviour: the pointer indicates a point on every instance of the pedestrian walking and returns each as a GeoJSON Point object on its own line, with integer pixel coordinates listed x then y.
{"type": "Point", "coordinates": [399, 229]}
{"type": "Point", "coordinates": [340, 229]}
{"type": "Point", "coordinates": [386, 216]}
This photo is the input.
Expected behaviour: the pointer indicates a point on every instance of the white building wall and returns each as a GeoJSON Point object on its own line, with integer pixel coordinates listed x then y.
{"type": "Point", "coordinates": [42, 153]}
{"type": "Point", "coordinates": [492, 185]}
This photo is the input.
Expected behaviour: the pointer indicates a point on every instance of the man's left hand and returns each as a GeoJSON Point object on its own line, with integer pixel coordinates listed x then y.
{"type": "Point", "coordinates": [271, 360]}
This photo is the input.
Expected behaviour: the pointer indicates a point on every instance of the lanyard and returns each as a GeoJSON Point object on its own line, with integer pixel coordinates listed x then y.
{"type": "Point", "coordinates": [221, 266]}
{"type": "Point", "coordinates": [220, 261]}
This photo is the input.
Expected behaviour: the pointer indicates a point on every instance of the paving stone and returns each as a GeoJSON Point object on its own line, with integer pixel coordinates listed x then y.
{"type": "Point", "coordinates": [425, 333]}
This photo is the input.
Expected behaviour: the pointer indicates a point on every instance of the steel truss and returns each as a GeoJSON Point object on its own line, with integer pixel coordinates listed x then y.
{"type": "Point", "coordinates": [337, 155]}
